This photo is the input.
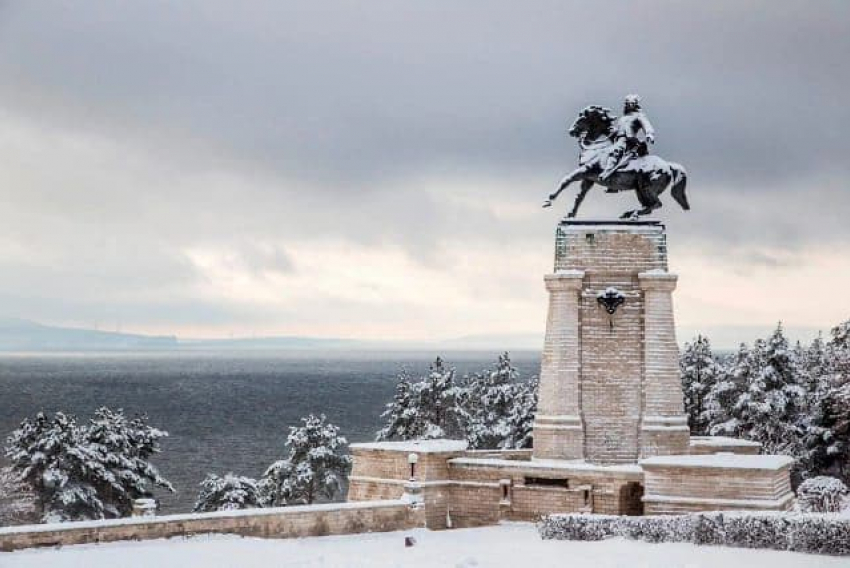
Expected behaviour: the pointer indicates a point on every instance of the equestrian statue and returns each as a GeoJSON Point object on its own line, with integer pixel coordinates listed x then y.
{"type": "Point", "coordinates": [615, 154]}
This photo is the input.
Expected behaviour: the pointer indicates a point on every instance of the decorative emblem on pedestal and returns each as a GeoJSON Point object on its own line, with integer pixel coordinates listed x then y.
{"type": "Point", "coordinates": [611, 299]}
{"type": "Point", "coordinates": [614, 153]}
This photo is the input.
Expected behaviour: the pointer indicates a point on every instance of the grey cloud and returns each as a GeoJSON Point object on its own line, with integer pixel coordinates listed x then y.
{"type": "Point", "coordinates": [256, 126]}
{"type": "Point", "coordinates": [337, 91]}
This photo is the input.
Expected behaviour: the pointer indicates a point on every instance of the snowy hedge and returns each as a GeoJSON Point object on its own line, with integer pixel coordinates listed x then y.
{"type": "Point", "coordinates": [821, 494]}
{"type": "Point", "coordinates": [820, 534]}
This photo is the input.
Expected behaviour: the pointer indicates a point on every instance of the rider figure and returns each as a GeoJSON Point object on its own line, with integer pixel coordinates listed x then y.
{"type": "Point", "coordinates": [626, 141]}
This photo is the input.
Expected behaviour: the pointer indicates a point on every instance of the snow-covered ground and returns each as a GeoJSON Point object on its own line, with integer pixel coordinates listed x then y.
{"type": "Point", "coordinates": [511, 545]}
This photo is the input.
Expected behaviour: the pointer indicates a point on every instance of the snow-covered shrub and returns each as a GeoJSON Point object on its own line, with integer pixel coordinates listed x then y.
{"type": "Point", "coordinates": [708, 529]}
{"type": "Point", "coordinates": [657, 528]}
{"type": "Point", "coordinates": [821, 494]}
{"type": "Point", "coordinates": [578, 527]}
{"type": "Point", "coordinates": [90, 471]}
{"type": "Point", "coordinates": [314, 468]}
{"type": "Point", "coordinates": [227, 493]}
{"type": "Point", "coordinates": [813, 533]}
{"type": "Point", "coordinates": [17, 500]}
{"type": "Point", "coordinates": [819, 534]}
{"type": "Point", "coordinates": [754, 530]}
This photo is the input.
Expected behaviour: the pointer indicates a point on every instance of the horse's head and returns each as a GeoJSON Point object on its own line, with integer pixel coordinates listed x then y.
{"type": "Point", "coordinates": [592, 122]}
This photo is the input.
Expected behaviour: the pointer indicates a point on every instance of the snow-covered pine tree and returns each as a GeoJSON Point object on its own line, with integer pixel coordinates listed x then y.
{"type": "Point", "coordinates": [51, 456]}
{"type": "Point", "coordinates": [719, 403]}
{"type": "Point", "coordinates": [124, 447]}
{"type": "Point", "coordinates": [828, 431]}
{"type": "Point", "coordinates": [813, 360]}
{"type": "Point", "coordinates": [841, 336]}
{"type": "Point", "coordinates": [521, 415]}
{"type": "Point", "coordinates": [402, 417]}
{"type": "Point", "coordinates": [85, 472]}
{"type": "Point", "coordinates": [425, 409]}
{"type": "Point", "coordinates": [769, 410]}
{"type": "Point", "coordinates": [438, 403]}
{"type": "Point", "coordinates": [314, 468]}
{"type": "Point", "coordinates": [699, 372]}
{"type": "Point", "coordinates": [227, 493]}
{"type": "Point", "coordinates": [488, 404]}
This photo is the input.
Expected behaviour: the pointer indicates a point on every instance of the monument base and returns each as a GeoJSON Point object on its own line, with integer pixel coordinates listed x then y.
{"type": "Point", "coordinates": [467, 488]}
{"type": "Point", "coordinates": [609, 379]}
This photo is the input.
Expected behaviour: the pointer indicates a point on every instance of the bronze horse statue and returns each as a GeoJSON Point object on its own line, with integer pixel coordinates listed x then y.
{"type": "Point", "coordinates": [648, 175]}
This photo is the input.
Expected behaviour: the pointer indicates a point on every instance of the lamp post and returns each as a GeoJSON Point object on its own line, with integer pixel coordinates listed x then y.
{"type": "Point", "coordinates": [412, 459]}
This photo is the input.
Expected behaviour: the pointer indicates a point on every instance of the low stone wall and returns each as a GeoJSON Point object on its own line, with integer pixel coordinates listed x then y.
{"type": "Point", "coordinates": [577, 488]}
{"type": "Point", "coordinates": [282, 522]}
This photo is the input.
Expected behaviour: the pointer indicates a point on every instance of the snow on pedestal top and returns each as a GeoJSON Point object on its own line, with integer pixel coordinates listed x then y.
{"type": "Point", "coordinates": [722, 460]}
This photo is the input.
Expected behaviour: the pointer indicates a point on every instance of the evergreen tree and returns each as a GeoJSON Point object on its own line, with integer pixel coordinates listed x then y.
{"type": "Point", "coordinates": [521, 416]}
{"type": "Point", "coordinates": [497, 409]}
{"type": "Point", "coordinates": [402, 415]}
{"type": "Point", "coordinates": [314, 468]}
{"type": "Point", "coordinates": [719, 404]}
{"type": "Point", "coordinates": [489, 399]}
{"type": "Point", "coordinates": [438, 398]}
{"type": "Point", "coordinates": [124, 447]}
{"type": "Point", "coordinates": [699, 371]}
{"type": "Point", "coordinates": [426, 409]}
{"type": "Point", "coordinates": [828, 432]}
{"type": "Point", "coordinates": [814, 363]}
{"type": "Point", "coordinates": [227, 493]}
{"type": "Point", "coordinates": [85, 472]}
{"type": "Point", "coordinates": [50, 455]}
{"type": "Point", "coordinates": [841, 336]}
{"type": "Point", "coordinates": [768, 411]}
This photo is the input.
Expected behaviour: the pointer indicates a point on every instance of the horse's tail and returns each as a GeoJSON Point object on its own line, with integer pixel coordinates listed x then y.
{"type": "Point", "coordinates": [679, 181]}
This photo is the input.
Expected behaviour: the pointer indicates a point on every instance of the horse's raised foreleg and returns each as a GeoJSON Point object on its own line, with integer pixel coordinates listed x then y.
{"type": "Point", "coordinates": [586, 184]}
{"type": "Point", "coordinates": [575, 175]}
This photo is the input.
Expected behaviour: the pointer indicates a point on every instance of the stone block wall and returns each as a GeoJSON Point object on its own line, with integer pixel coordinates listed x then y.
{"type": "Point", "coordinates": [283, 522]}
{"type": "Point", "coordinates": [381, 469]}
{"type": "Point", "coordinates": [609, 246]}
{"type": "Point", "coordinates": [522, 491]}
{"type": "Point", "coordinates": [678, 484]}
{"type": "Point", "coordinates": [390, 459]}
{"type": "Point", "coordinates": [611, 370]}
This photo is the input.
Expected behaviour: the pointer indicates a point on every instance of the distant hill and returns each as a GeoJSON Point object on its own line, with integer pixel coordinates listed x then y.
{"type": "Point", "coordinates": [23, 335]}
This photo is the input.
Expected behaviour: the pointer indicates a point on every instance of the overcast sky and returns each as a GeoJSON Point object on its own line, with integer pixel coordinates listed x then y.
{"type": "Point", "coordinates": [375, 169]}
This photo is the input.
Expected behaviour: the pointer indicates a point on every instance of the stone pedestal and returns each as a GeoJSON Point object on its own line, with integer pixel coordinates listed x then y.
{"type": "Point", "coordinates": [609, 382]}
